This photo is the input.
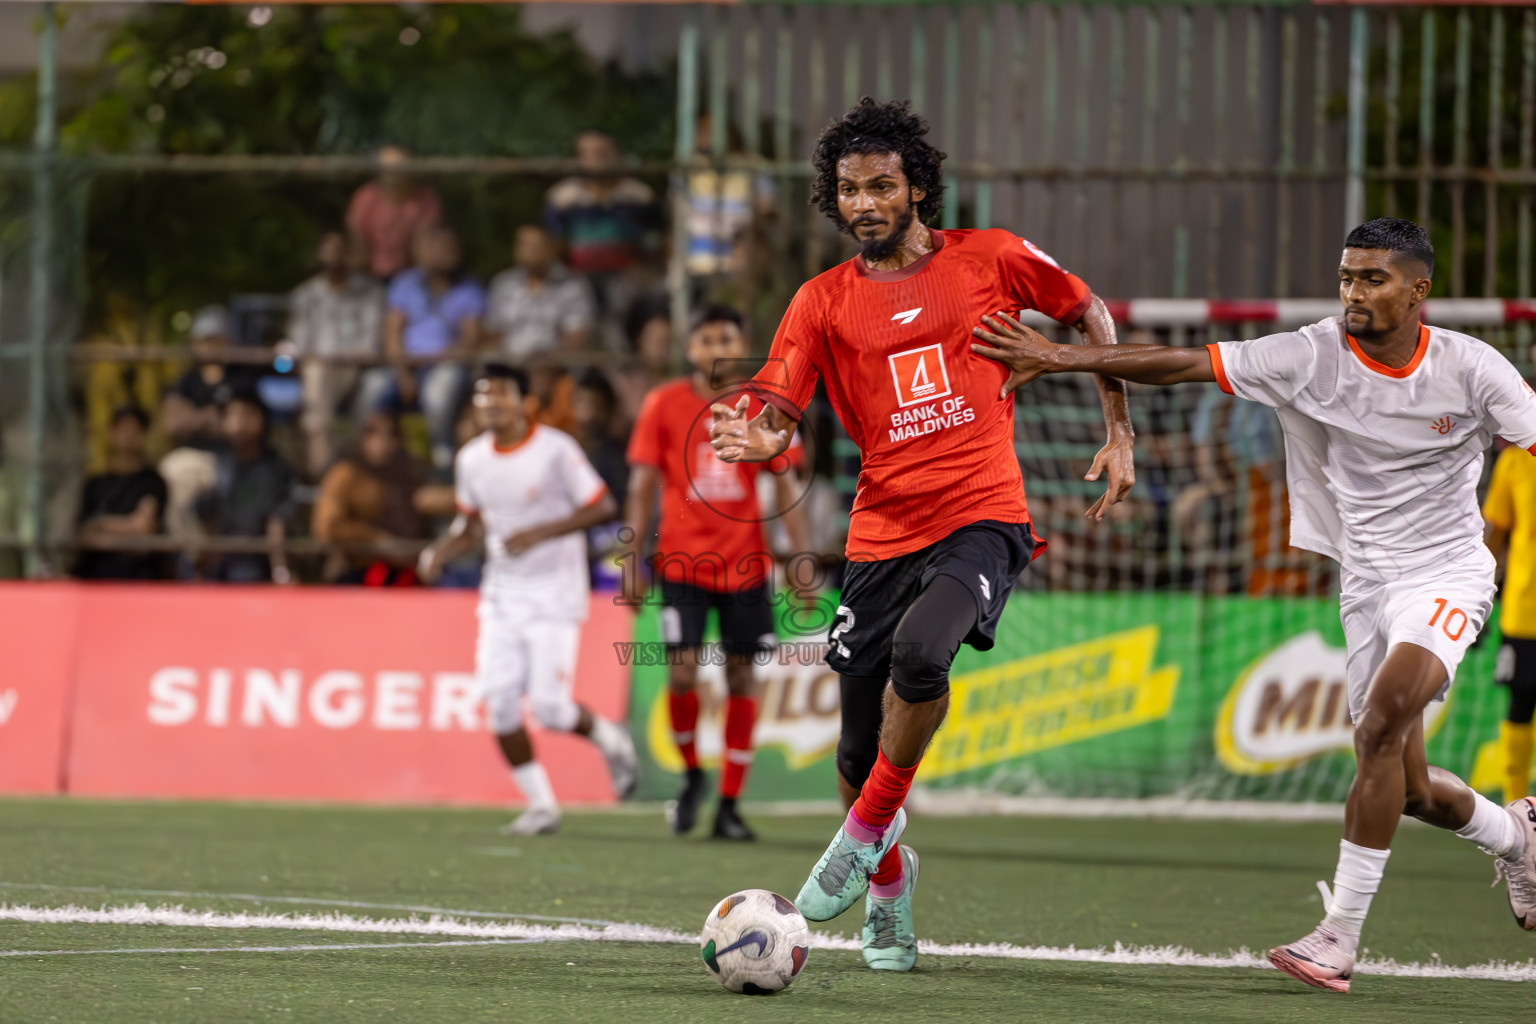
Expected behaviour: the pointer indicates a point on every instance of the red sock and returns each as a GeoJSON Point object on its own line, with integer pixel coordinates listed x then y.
{"type": "Point", "coordinates": [884, 792]}
{"type": "Point", "coordinates": [740, 717]}
{"type": "Point", "coordinates": [889, 869]}
{"type": "Point", "coordinates": [685, 718]}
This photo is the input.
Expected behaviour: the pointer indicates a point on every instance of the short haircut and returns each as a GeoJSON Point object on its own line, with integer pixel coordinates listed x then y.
{"type": "Point", "coordinates": [641, 312]}
{"type": "Point", "coordinates": [596, 381]}
{"type": "Point", "coordinates": [251, 399]}
{"type": "Point", "coordinates": [872, 127]}
{"type": "Point", "coordinates": [1403, 238]}
{"type": "Point", "coordinates": [502, 371]}
{"type": "Point", "coordinates": [718, 314]}
{"type": "Point", "coordinates": [130, 412]}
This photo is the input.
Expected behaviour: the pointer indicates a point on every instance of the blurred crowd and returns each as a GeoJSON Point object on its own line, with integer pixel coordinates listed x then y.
{"type": "Point", "coordinates": [348, 435]}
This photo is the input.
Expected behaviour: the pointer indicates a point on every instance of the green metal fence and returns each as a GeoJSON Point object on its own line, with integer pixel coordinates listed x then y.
{"type": "Point", "coordinates": [1216, 150]}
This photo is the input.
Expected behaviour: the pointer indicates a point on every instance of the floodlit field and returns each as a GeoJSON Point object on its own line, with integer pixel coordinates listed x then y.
{"type": "Point", "coordinates": [345, 914]}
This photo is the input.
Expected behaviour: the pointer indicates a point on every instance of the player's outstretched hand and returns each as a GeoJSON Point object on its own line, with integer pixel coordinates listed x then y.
{"type": "Point", "coordinates": [738, 439]}
{"type": "Point", "coordinates": [1115, 461]}
{"type": "Point", "coordinates": [1025, 352]}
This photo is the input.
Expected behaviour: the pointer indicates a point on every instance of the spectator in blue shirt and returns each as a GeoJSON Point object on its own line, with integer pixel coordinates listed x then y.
{"type": "Point", "coordinates": [432, 326]}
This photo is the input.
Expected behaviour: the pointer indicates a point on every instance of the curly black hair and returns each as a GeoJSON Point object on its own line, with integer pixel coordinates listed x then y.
{"type": "Point", "coordinates": [873, 127]}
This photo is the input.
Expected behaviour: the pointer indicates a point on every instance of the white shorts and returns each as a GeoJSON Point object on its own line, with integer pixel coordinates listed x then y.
{"type": "Point", "coordinates": [1442, 612]}
{"type": "Point", "coordinates": [518, 656]}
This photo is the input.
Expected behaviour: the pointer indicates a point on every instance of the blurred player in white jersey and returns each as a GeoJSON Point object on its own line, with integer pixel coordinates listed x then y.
{"type": "Point", "coordinates": [1386, 421]}
{"type": "Point", "coordinates": [532, 493]}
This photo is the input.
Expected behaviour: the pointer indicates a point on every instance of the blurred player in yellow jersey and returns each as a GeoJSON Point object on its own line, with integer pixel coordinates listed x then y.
{"type": "Point", "coordinates": [1510, 510]}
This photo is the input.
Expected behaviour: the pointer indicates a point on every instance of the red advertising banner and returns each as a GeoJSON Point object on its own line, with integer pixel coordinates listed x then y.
{"type": "Point", "coordinates": [288, 694]}
{"type": "Point", "coordinates": [37, 647]}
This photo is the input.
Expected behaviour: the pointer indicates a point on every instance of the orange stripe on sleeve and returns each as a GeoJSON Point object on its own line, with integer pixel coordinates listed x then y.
{"type": "Point", "coordinates": [1217, 367]}
{"type": "Point", "coordinates": [596, 497]}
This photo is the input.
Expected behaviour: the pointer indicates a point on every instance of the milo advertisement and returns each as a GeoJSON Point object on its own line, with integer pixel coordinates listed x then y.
{"type": "Point", "coordinates": [1088, 695]}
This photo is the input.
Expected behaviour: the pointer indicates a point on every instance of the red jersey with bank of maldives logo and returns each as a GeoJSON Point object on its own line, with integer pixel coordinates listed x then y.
{"type": "Point", "coordinates": [895, 350]}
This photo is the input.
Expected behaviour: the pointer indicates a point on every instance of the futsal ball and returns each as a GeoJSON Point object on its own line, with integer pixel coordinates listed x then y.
{"type": "Point", "coordinates": [755, 942]}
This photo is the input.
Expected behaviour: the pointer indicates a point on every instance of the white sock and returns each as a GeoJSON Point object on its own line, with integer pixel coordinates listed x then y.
{"type": "Point", "coordinates": [534, 782]}
{"type": "Point", "coordinates": [1492, 828]}
{"type": "Point", "coordinates": [603, 733]}
{"type": "Point", "coordinates": [1355, 882]}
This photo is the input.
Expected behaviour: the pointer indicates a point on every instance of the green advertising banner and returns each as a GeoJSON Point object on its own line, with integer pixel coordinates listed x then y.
{"type": "Point", "coordinates": [1091, 695]}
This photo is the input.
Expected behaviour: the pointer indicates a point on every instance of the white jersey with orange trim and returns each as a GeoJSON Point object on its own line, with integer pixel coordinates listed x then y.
{"type": "Point", "coordinates": [543, 479]}
{"type": "Point", "coordinates": [1382, 463]}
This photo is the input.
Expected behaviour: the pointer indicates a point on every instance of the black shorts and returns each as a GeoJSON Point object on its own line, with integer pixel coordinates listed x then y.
{"type": "Point", "coordinates": [987, 557]}
{"type": "Point", "coordinates": [746, 617]}
{"type": "Point", "coordinates": [1516, 665]}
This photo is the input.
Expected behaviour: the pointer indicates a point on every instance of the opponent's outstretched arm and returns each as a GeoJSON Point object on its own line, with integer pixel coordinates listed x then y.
{"type": "Point", "coordinates": [1028, 355]}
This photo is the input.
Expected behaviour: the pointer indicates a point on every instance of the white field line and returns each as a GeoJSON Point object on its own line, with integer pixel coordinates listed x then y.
{"type": "Point", "coordinates": [322, 948]}
{"type": "Point", "coordinates": [1151, 956]}
{"type": "Point", "coordinates": [970, 802]}
{"type": "Point", "coordinates": [308, 901]}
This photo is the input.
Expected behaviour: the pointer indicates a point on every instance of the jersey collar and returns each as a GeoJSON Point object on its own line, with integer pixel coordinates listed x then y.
{"type": "Point", "coordinates": [499, 450]}
{"type": "Point", "coordinates": [910, 270]}
{"type": "Point", "coordinates": [1388, 371]}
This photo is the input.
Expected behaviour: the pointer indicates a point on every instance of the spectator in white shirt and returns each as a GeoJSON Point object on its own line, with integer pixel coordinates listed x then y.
{"type": "Point", "coordinates": [336, 324]}
{"type": "Point", "coordinates": [538, 305]}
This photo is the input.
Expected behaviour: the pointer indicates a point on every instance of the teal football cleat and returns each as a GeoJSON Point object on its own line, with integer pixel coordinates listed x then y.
{"type": "Point", "coordinates": [890, 942]}
{"type": "Point", "coordinates": [842, 874]}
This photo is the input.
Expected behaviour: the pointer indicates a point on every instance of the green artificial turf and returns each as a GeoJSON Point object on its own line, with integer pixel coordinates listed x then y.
{"type": "Point", "coordinates": [1207, 886]}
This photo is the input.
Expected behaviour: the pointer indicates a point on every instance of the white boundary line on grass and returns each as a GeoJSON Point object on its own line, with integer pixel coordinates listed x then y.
{"type": "Point", "coordinates": [308, 901]}
{"type": "Point", "coordinates": [973, 802]}
{"type": "Point", "coordinates": [1151, 956]}
{"type": "Point", "coordinates": [321, 948]}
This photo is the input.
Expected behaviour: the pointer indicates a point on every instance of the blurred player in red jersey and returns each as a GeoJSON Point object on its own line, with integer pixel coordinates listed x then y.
{"type": "Point", "coordinates": [712, 553]}
{"type": "Point", "coordinates": [939, 531]}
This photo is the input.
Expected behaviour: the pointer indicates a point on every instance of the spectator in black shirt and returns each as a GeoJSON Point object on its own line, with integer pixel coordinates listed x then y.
{"type": "Point", "coordinates": [191, 414]}
{"type": "Point", "coordinates": [128, 500]}
{"type": "Point", "coordinates": [192, 406]}
{"type": "Point", "coordinates": [251, 496]}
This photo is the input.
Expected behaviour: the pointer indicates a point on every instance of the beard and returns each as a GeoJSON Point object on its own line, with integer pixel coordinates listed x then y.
{"type": "Point", "coordinates": [1370, 331]}
{"type": "Point", "coordinates": [878, 250]}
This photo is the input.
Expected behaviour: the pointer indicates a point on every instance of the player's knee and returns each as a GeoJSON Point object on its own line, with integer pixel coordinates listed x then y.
{"type": "Point", "coordinates": [503, 712]}
{"type": "Point", "coordinates": [558, 713]}
{"type": "Point", "coordinates": [920, 668]}
{"type": "Point", "coordinates": [740, 676]}
{"type": "Point", "coordinates": [1378, 735]}
{"type": "Point", "coordinates": [682, 674]}
{"type": "Point", "coordinates": [927, 638]}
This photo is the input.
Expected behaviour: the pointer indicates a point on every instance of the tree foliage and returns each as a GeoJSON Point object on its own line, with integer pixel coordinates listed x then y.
{"type": "Point", "coordinates": [307, 80]}
{"type": "Point", "coordinates": [445, 79]}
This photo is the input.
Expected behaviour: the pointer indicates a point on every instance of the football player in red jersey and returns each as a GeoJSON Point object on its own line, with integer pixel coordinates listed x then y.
{"type": "Point", "coordinates": [712, 553]}
{"type": "Point", "coordinates": [939, 530]}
